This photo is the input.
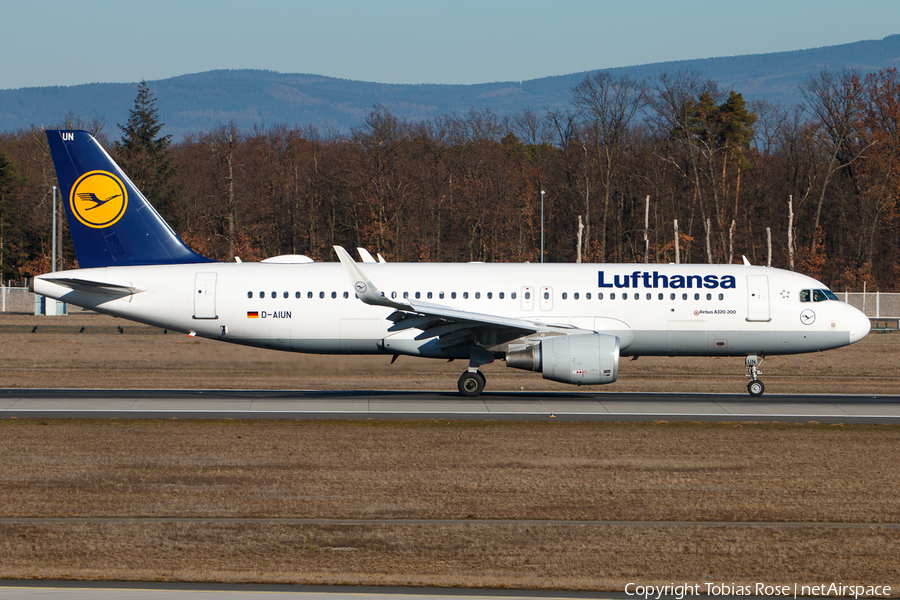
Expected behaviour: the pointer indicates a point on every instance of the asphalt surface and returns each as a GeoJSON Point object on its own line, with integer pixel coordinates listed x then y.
{"type": "Point", "coordinates": [78, 590]}
{"type": "Point", "coordinates": [103, 590]}
{"type": "Point", "coordinates": [570, 406]}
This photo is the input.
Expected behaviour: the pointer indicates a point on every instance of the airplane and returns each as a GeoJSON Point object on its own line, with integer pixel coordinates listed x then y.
{"type": "Point", "coordinates": [570, 322]}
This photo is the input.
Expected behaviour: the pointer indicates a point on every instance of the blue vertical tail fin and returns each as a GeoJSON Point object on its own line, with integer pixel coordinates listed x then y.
{"type": "Point", "coordinates": [112, 224]}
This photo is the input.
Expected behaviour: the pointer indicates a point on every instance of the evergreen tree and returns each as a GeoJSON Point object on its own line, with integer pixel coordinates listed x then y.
{"type": "Point", "coordinates": [10, 179]}
{"type": "Point", "coordinates": [142, 155]}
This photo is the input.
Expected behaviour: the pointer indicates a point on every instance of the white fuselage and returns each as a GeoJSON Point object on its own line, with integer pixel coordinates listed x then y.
{"type": "Point", "coordinates": [690, 310]}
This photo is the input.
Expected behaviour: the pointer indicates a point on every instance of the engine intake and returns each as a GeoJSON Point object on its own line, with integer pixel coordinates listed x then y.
{"type": "Point", "coordinates": [580, 359]}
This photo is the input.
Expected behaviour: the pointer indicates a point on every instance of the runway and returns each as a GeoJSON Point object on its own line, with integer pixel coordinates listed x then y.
{"type": "Point", "coordinates": [574, 406]}
{"type": "Point", "coordinates": [89, 590]}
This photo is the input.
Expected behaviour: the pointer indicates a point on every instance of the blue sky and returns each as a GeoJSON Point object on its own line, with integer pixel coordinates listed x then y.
{"type": "Point", "coordinates": [68, 42]}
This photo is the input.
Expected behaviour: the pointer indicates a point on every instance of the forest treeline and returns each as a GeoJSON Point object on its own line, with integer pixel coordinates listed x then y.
{"type": "Point", "coordinates": [812, 188]}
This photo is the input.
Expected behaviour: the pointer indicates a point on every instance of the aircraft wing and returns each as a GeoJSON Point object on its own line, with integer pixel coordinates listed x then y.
{"type": "Point", "coordinates": [451, 325]}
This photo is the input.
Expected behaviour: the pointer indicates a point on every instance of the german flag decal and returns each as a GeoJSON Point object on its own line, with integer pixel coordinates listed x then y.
{"type": "Point", "coordinates": [252, 314]}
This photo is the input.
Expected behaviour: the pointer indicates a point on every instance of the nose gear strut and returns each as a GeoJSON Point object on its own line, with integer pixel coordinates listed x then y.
{"type": "Point", "coordinates": [755, 387]}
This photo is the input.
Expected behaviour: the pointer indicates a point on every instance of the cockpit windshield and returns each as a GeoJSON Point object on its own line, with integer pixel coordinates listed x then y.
{"type": "Point", "coordinates": [817, 295]}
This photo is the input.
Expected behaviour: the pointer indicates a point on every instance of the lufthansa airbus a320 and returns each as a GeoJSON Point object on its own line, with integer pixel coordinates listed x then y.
{"type": "Point", "coordinates": [570, 322]}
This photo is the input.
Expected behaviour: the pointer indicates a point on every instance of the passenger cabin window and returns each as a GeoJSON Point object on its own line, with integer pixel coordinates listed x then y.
{"type": "Point", "coordinates": [297, 295]}
{"type": "Point", "coordinates": [274, 294]}
{"type": "Point", "coordinates": [249, 294]}
{"type": "Point", "coordinates": [527, 296]}
{"type": "Point", "coordinates": [286, 294]}
{"type": "Point", "coordinates": [513, 295]}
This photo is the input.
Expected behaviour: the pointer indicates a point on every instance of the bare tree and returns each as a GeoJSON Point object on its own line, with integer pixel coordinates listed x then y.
{"type": "Point", "coordinates": [837, 104]}
{"type": "Point", "coordinates": [607, 105]}
{"type": "Point", "coordinates": [223, 142]}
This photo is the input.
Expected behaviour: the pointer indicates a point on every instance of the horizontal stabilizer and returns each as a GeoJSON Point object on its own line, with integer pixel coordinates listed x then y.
{"type": "Point", "coordinates": [94, 287]}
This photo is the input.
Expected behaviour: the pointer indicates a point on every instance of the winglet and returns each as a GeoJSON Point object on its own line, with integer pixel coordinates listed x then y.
{"type": "Point", "coordinates": [365, 255]}
{"type": "Point", "coordinates": [363, 286]}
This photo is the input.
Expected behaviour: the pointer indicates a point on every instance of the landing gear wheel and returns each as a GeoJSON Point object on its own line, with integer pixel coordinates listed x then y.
{"type": "Point", "coordinates": [756, 388]}
{"type": "Point", "coordinates": [471, 384]}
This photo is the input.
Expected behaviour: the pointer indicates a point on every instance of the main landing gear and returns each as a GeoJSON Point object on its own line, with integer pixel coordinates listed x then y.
{"type": "Point", "coordinates": [755, 387]}
{"type": "Point", "coordinates": [471, 383]}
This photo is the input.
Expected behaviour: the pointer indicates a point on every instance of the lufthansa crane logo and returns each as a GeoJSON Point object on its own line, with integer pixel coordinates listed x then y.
{"type": "Point", "coordinates": [98, 199]}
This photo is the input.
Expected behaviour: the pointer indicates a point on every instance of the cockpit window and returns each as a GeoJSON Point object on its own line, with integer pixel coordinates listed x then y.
{"type": "Point", "coordinates": [822, 295]}
{"type": "Point", "coordinates": [817, 295]}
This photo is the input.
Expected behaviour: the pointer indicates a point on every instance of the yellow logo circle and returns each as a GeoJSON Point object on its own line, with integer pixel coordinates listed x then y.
{"type": "Point", "coordinates": [98, 199]}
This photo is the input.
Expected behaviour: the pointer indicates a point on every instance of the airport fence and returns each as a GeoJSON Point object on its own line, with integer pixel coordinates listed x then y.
{"type": "Point", "coordinates": [876, 305]}
{"type": "Point", "coordinates": [16, 300]}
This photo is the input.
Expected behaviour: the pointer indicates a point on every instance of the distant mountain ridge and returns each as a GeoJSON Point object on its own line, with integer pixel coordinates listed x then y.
{"type": "Point", "coordinates": [197, 102]}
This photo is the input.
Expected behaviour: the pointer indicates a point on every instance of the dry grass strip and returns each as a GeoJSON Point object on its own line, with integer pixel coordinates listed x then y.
{"type": "Point", "coordinates": [126, 361]}
{"type": "Point", "coordinates": [579, 557]}
{"type": "Point", "coordinates": [449, 470]}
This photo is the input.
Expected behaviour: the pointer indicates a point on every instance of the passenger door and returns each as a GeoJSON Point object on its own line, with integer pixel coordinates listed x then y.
{"type": "Point", "coordinates": [758, 298]}
{"type": "Point", "coordinates": [205, 296]}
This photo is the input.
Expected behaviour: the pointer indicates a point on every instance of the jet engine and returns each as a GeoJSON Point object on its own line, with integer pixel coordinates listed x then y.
{"type": "Point", "coordinates": [580, 359]}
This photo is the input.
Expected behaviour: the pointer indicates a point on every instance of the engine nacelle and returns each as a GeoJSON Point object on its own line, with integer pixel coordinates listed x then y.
{"type": "Point", "coordinates": [580, 359]}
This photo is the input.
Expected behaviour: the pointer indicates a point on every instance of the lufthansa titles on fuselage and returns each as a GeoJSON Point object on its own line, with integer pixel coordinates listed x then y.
{"type": "Point", "coordinates": [655, 280]}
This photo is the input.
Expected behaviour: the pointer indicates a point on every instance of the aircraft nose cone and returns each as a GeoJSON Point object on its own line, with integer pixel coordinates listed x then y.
{"type": "Point", "coordinates": [859, 325]}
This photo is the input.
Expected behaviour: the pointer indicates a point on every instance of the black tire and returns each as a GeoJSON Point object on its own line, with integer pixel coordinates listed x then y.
{"type": "Point", "coordinates": [756, 388]}
{"type": "Point", "coordinates": [471, 384]}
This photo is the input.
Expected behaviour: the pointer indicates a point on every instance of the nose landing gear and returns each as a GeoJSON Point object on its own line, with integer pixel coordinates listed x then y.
{"type": "Point", "coordinates": [755, 387]}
